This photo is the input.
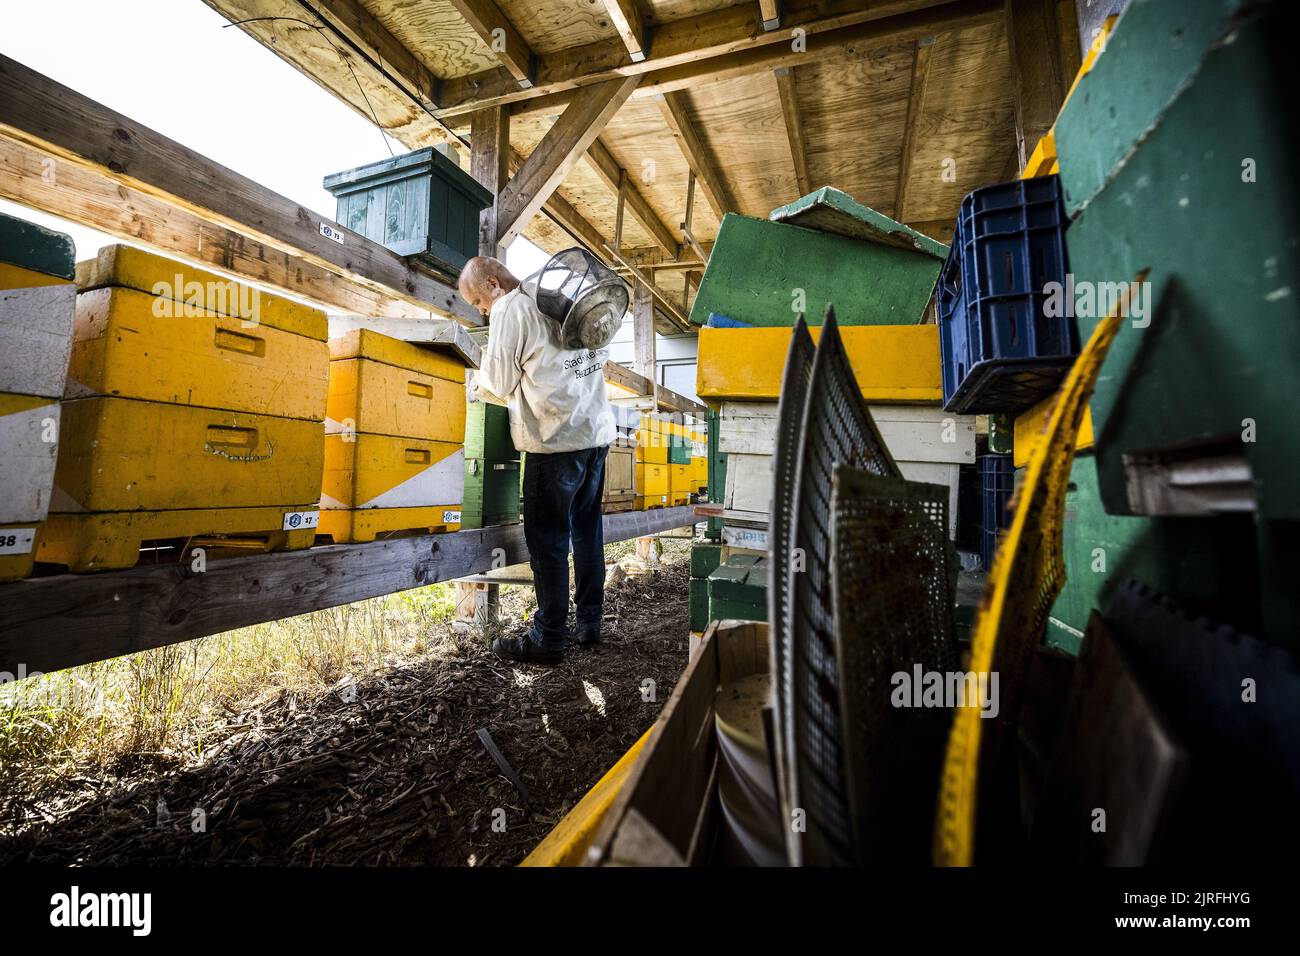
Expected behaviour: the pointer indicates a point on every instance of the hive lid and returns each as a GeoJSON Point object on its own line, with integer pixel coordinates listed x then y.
{"type": "Point", "coordinates": [441, 336]}
{"type": "Point", "coordinates": [830, 210]}
{"type": "Point", "coordinates": [29, 246]}
{"type": "Point", "coordinates": [127, 267]}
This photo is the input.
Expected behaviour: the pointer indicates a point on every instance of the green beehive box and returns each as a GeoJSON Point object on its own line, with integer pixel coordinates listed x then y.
{"type": "Point", "coordinates": [487, 433]}
{"type": "Point", "coordinates": [418, 204]}
{"type": "Point", "coordinates": [705, 559]}
{"type": "Point", "coordinates": [491, 493]}
{"type": "Point", "coordinates": [29, 246]}
{"type": "Point", "coordinates": [738, 589]}
{"type": "Point", "coordinates": [1205, 564]}
{"type": "Point", "coordinates": [766, 273]}
{"type": "Point", "coordinates": [699, 604]}
{"type": "Point", "coordinates": [1205, 199]}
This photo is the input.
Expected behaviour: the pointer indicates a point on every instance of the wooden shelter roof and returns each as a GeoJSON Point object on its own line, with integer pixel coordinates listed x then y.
{"type": "Point", "coordinates": [904, 104]}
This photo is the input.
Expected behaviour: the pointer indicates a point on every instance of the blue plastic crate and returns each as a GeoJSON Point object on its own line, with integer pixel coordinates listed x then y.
{"type": "Point", "coordinates": [997, 484]}
{"type": "Point", "coordinates": [1000, 352]}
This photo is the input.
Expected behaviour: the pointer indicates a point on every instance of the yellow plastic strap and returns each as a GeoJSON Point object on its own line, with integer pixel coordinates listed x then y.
{"type": "Point", "coordinates": [1027, 575]}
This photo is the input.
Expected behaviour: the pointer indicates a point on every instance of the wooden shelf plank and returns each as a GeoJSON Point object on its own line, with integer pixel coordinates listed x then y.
{"type": "Point", "coordinates": [61, 621]}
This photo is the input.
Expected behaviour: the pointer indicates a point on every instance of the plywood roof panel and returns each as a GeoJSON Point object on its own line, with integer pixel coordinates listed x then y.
{"type": "Point", "coordinates": [551, 25]}
{"type": "Point", "coordinates": [965, 134]}
{"type": "Point", "coordinates": [741, 123]}
{"type": "Point", "coordinates": [436, 33]}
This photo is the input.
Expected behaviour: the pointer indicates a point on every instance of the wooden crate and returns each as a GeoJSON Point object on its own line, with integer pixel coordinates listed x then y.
{"type": "Point", "coordinates": [666, 813]}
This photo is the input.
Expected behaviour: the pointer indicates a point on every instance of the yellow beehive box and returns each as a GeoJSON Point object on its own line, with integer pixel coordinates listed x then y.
{"type": "Point", "coordinates": [126, 345]}
{"type": "Point", "coordinates": [189, 288]}
{"type": "Point", "coordinates": [357, 525]}
{"type": "Point", "coordinates": [652, 483]}
{"type": "Point", "coordinates": [700, 471]}
{"type": "Point", "coordinates": [892, 363]}
{"type": "Point", "coordinates": [383, 471]}
{"type": "Point", "coordinates": [101, 542]}
{"type": "Point", "coordinates": [380, 385]}
{"type": "Point", "coordinates": [680, 484]}
{"type": "Point", "coordinates": [118, 454]}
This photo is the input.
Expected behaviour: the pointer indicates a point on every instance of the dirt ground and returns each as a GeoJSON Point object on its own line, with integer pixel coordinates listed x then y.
{"type": "Point", "coordinates": [387, 771]}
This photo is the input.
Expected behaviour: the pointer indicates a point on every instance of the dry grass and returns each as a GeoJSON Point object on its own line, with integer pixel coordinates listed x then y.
{"type": "Point", "coordinates": [168, 704]}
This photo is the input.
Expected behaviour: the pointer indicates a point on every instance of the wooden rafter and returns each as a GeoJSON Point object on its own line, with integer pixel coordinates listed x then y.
{"type": "Point", "coordinates": [725, 42]}
{"type": "Point", "coordinates": [915, 104]}
{"type": "Point", "coordinates": [788, 91]}
{"type": "Point", "coordinates": [39, 112]}
{"type": "Point", "coordinates": [770, 11]}
{"type": "Point", "coordinates": [628, 21]}
{"type": "Point", "coordinates": [677, 116]}
{"type": "Point", "coordinates": [102, 202]}
{"type": "Point", "coordinates": [495, 29]}
{"type": "Point", "coordinates": [561, 147]}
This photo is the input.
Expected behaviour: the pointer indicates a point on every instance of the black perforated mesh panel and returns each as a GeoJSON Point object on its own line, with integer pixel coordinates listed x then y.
{"type": "Point", "coordinates": [893, 583]}
{"type": "Point", "coordinates": [836, 428]}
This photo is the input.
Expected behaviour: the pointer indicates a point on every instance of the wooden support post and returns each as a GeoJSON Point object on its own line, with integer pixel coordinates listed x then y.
{"type": "Point", "coordinates": [477, 604]}
{"type": "Point", "coordinates": [1038, 80]}
{"type": "Point", "coordinates": [643, 332]}
{"type": "Point", "coordinates": [488, 163]}
{"type": "Point", "coordinates": [649, 550]}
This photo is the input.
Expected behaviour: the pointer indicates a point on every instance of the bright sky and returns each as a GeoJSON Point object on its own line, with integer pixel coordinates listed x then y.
{"type": "Point", "coordinates": [170, 65]}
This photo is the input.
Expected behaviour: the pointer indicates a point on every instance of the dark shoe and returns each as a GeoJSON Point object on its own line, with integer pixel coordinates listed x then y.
{"type": "Point", "coordinates": [523, 648]}
{"type": "Point", "coordinates": [585, 635]}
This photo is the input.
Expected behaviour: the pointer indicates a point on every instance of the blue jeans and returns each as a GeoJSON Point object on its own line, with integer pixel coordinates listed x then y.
{"type": "Point", "coordinates": [562, 495]}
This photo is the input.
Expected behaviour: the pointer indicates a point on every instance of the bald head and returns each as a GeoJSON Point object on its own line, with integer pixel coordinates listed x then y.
{"type": "Point", "coordinates": [483, 281]}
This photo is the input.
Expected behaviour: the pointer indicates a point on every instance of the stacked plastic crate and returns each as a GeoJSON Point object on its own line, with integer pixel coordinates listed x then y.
{"type": "Point", "coordinates": [193, 415]}
{"type": "Point", "coordinates": [395, 439]}
{"type": "Point", "coordinates": [37, 302]}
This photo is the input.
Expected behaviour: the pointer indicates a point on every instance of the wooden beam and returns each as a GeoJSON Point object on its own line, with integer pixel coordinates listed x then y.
{"type": "Point", "coordinates": [666, 304]}
{"type": "Point", "coordinates": [630, 24]}
{"type": "Point", "coordinates": [96, 201]}
{"type": "Point", "coordinates": [78, 131]}
{"type": "Point", "coordinates": [561, 147]}
{"type": "Point", "coordinates": [787, 90]}
{"type": "Point", "coordinates": [489, 163]}
{"type": "Point", "coordinates": [562, 213]}
{"type": "Point", "coordinates": [643, 331]}
{"type": "Point", "coordinates": [915, 105]}
{"type": "Point", "coordinates": [1038, 81]}
{"type": "Point", "coordinates": [677, 116]}
{"type": "Point", "coordinates": [50, 623]}
{"type": "Point", "coordinates": [770, 11]}
{"type": "Point", "coordinates": [666, 399]}
{"type": "Point", "coordinates": [495, 29]}
{"type": "Point", "coordinates": [731, 38]}
{"type": "Point", "coordinates": [361, 30]}
{"type": "Point", "coordinates": [604, 164]}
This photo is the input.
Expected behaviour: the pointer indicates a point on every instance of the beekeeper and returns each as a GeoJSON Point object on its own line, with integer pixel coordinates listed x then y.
{"type": "Point", "coordinates": [561, 419]}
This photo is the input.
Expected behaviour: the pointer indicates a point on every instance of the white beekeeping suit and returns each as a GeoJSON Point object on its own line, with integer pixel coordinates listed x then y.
{"type": "Point", "coordinates": [556, 395]}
